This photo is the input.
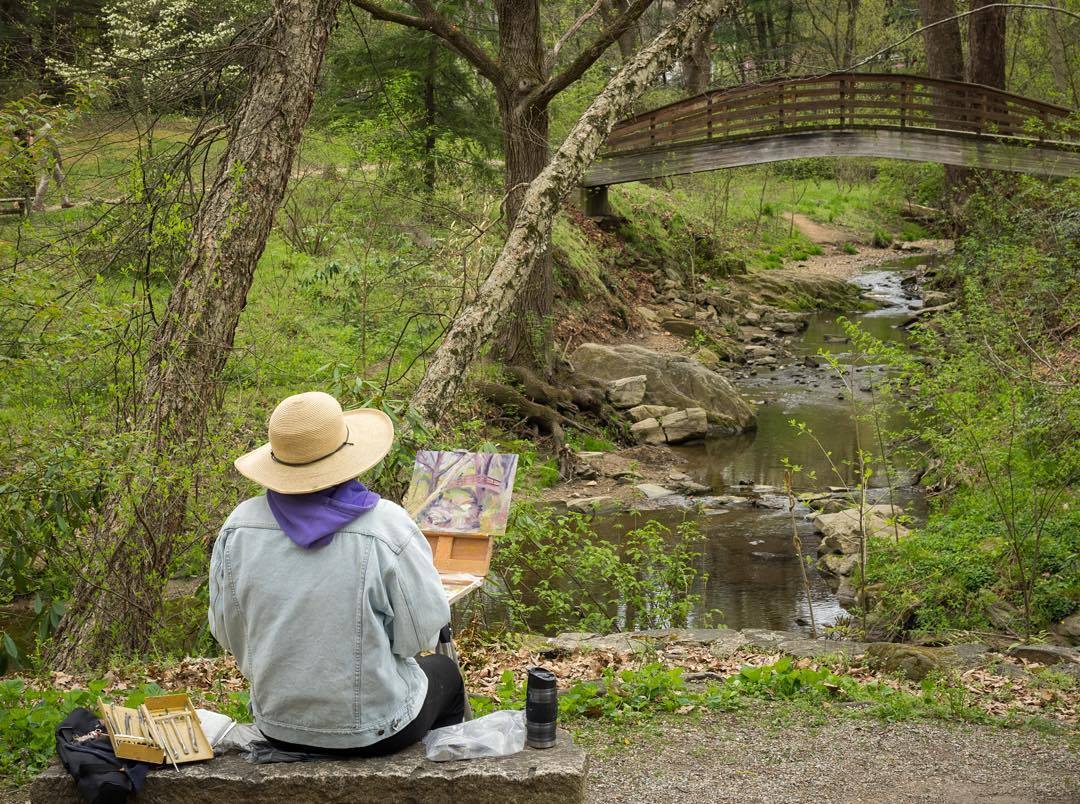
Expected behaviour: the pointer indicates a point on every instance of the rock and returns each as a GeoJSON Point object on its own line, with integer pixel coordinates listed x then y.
{"type": "Point", "coordinates": [810, 361]}
{"type": "Point", "coordinates": [531, 776]}
{"type": "Point", "coordinates": [754, 335]}
{"type": "Point", "coordinates": [841, 529]}
{"type": "Point", "coordinates": [680, 327]}
{"type": "Point", "coordinates": [627, 392]}
{"type": "Point", "coordinates": [707, 358]}
{"type": "Point", "coordinates": [672, 380]}
{"type": "Point", "coordinates": [935, 298]}
{"type": "Point", "coordinates": [750, 317]}
{"type": "Point", "coordinates": [1004, 616]}
{"type": "Point", "coordinates": [755, 351]}
{"type": "Point", "coordinates": [595, 505]}
{"type": "Point", "coordinates": [693, 488]}
{"type": "Point", "coordinates": [653, 491]}
{"type": "Point", "coordinates": [769, 640]}
{"type": "Point", "coordinates": [786, 328]}
{"type": "Point", "coordinates": [685, 425]}
{"type": "Point", "coordinates": [648, 314]}
{"type": "Point", "coordinates": [642, 412]}
{"type": "Point", "coordinates": [837, 564]}
{"type": "Point", "coordinates": [818, 648]}
{"type": "Point", "coordinates": [647, 431]}
{"type": "Point", "coordinates": [1044, 654]}
{"type": "Point", "coordinates": [727, 643]}
{"type": "Point", "coordinates": [1069, 629]}
{"type": "Point", "coordinates": [909, 660]}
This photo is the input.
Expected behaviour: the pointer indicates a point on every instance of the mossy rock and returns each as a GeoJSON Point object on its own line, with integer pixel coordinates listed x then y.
{"type": "Point", "coordinates": [909, 660]}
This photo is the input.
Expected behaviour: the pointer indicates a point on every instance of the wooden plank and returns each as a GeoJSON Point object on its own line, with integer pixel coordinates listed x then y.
{"type": "Point", "coordinates": [952, 148]}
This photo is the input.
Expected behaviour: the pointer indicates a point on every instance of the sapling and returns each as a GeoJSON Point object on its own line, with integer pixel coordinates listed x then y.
{"type": "Point", "coordinates": [796, 542]}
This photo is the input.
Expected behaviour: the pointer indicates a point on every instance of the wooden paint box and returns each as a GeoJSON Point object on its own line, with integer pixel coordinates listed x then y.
{"type": "Point", "coordinates": [164, 730]}
{"type": "Point", "coordinates": [462, 560]}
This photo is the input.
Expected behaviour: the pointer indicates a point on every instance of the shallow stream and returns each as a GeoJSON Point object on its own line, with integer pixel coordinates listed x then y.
{"type": "Point", "coordinates": [753, 574]}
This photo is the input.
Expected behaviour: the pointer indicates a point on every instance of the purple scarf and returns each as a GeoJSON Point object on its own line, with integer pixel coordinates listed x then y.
{"type": "Point", "coordinates": [311, 520]}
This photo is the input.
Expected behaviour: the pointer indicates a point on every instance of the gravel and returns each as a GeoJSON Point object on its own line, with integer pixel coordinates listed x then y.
{"type": "Point", "coordinates": [776, 755]}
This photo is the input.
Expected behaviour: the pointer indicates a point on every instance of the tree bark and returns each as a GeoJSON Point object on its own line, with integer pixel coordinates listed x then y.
{"type": "Point", "coordinates": [986, 45]}
{"type": "Point", "coordinates": [429, 113]}
{"type": "Point", "coordinates": [628, 41]}
{"type": "Point", "coordinates": [530, 235]}
{"type": "Point", "coordinates": [945, 59]}
{"type": "Point", "coordinates": [130, 548]}
{"type": "Point", "coordinates": [697, 62]}
{"type": "Point", "coordinates": [526, 337]}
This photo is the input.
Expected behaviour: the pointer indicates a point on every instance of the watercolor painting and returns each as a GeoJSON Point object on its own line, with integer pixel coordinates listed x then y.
{"type": "Point", "coordinates": [461, 492]}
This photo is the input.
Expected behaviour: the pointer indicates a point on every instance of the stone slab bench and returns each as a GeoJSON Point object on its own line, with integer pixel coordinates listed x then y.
{"type": "Point", "coordinates": [529, 777]}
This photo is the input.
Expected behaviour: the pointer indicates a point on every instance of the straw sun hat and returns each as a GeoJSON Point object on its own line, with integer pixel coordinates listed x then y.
{"type": "Point", "coordinates": [314, 445]}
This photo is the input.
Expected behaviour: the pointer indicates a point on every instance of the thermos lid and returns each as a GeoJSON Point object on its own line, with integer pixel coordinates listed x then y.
{"type": "Point", "coordinates": [541, 678]}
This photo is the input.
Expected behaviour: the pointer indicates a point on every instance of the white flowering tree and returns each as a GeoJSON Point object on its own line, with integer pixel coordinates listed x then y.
{"type": "Point", "coordinates": [157, 52]}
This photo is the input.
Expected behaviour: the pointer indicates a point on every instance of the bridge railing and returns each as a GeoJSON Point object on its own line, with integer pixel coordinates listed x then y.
{"type": "Point", "coordinates": [840, 101]}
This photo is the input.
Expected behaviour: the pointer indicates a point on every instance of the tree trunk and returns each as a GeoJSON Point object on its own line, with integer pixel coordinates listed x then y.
{"type": "Point", "coordinates": [850, 32]}
{"type": "Point", "coordinates": [429, 112]}
{"type": "Point", "coordinates": [697, 61]}
{"type": "Point", "coordinates": [609, 10]}
{"type": "Point", "coordinates": [530, 235]}
{"type": "Point", "coordinates": [986, 45]}
{"type": "Point", "coordinates": [526, 338]}
{"type": "Point", "coordinates": [945, 59]}
{"type": "Point", "coordinates": [132, 545]}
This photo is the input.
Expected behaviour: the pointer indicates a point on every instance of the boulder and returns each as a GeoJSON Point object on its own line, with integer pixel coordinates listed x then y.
{"type": "Point", "coordinates": [680, 327]}
{"type": "Point", "coordinates": [840, 530]}
{"type": "Point", "coordinates": [653, 491]}
{"type": "Point", "coordinates": [727, 643]}
{"type": "Point", "coordinates": [531, 776]}
{"type": "Point", "coordinates": [755, 351]}
{"type": "Point", "coordinates": [626, 392]}
{"type": "Point", "coordinates": [595, 505]}
{"type": "Point", "coordinates": [1069, 629]}
{"type": "Point", "coordinates": [909, 660]}
{"type": "Point", "coordinates": [838, 564]}
{"type": "Point", "coordinates": [1044, 654]}
{"type": "Point", "coordinates": [707, 358]}
{"type": "Point", "coordinates": [819, 648]}
{"type": "Point", "coordinates": [642, 412]}
{"type": "Point", "coordinates": [648, 314]}
{"type": "Point", "coordinates": [647, 431]}
{"type": "Point", "coordinates": [685, 425]}
{"type": "Point", "coordinates": [672, 380]}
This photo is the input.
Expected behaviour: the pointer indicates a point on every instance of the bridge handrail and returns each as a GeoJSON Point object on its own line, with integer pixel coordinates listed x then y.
{"type": "Point", "coordinates": [838, 100]}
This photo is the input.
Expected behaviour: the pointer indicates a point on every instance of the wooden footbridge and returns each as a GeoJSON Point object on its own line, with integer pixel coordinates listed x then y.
{"type": "Point", "coordinates": [841, 114]}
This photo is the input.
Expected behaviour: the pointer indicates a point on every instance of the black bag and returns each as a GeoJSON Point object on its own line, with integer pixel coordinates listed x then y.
{"type": "Point", "coordinates": [102, 778]}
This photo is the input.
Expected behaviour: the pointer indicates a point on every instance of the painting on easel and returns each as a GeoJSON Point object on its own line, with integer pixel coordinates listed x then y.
{"type": "Point", "coordinates": [461, 492]}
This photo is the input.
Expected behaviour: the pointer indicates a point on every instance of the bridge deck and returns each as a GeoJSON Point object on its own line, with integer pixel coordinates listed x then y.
{"type": "Point", "coordinates": [844, 114]}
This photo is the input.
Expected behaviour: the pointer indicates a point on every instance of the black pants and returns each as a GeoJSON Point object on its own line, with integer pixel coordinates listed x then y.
{"type": "Point", "coordinates": [444, 705]}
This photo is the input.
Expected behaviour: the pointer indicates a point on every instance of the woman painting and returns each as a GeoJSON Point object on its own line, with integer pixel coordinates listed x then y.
{"type": "Point", "coordinates": [326, 593]}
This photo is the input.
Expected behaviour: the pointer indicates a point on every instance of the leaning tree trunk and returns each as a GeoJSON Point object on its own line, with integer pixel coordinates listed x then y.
{"type": "Point", "coordinates": [531, 232]}
{"type": "Point", "coordinates": [131, 546]}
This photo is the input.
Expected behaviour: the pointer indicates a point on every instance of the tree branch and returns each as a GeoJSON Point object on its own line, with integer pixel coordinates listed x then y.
{"type": "Point", "coordinates": [542, 95]}
{"type": "Point", "coordinates": [531, 232]}
{"type": "Point", "coordinates": [430, 20]}
{"type": "Point", "coordinates": [569, 33]}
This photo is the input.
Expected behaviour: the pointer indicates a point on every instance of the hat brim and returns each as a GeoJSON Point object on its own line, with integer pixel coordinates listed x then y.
{"type": "Point", "coordinates": [371, 434]}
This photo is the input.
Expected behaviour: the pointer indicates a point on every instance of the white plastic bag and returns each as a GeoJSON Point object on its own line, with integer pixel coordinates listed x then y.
{"type": "Point", "coordinates": [496, 735]}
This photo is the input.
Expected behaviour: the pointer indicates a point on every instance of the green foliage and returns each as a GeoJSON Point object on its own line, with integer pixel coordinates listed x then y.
{"type": "Point", "coordinates": [556, 573]}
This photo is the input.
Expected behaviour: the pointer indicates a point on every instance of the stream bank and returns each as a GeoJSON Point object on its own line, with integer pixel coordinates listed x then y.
{"type": "Point", "coordinates": [730, 481]}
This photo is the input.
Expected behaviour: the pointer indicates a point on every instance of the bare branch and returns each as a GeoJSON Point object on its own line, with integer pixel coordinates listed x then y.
{"type": "Point", "coordinates": [542, 95]}
{"type": "Point", "coordinates": [432, 21]}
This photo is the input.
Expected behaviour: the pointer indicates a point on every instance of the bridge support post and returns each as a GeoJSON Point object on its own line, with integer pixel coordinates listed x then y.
{"type": "Point", "coordinates": [594, 201]}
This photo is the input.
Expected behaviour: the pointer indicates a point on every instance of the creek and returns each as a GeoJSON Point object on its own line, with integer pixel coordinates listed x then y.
{"type": "Point", "coordinates": [753, 576]}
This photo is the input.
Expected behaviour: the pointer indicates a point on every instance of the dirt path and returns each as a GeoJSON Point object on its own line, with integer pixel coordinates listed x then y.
{"type": "Point", "coordinates": [785, 756]}
{"type": "Point", "coordinates": [818, 232]}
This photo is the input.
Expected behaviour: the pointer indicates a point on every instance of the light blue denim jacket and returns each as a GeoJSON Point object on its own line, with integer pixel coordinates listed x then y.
{"type": "Point", "coordinates": [326, 636]}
